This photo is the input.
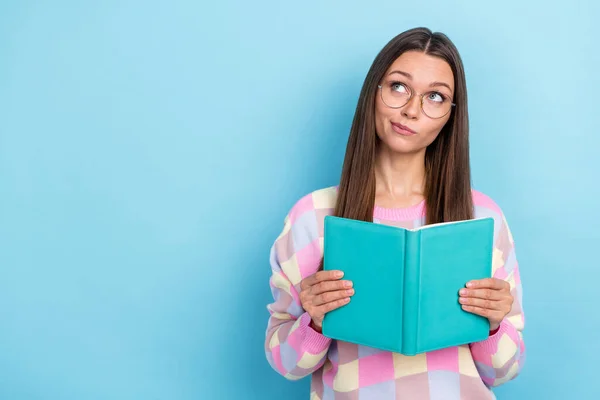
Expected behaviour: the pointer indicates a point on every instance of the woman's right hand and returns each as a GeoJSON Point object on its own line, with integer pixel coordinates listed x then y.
{"type": "Point", "coordinates": [322, 292]}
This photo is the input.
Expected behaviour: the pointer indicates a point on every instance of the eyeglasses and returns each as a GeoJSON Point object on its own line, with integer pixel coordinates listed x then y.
{"type": "Point", "coordinates": [396, 94]}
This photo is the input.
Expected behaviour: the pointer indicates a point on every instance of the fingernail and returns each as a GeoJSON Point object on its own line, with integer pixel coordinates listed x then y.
{"type": "Point", "coordinates": [463, 292]}
{"type": "Point", "coordinates": [350, 291]}
{"type": "Point", "coordinates": [347, 284]}
{"type": "Point", "coordinates": [339, 274]}
{"type": "Point", "coordinates": [470, 284]}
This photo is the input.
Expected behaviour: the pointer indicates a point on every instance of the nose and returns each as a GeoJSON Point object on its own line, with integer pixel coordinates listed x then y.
{"type": "Point", "coordinates": [412, 108]}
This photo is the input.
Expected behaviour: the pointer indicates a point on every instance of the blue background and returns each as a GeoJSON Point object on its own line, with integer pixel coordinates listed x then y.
{"type": "Point", "coordinates": [150, 150]}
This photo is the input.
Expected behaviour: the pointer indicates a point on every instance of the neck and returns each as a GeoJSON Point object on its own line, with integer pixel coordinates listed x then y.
{"type": "Point", "coordinates": [399, 178]}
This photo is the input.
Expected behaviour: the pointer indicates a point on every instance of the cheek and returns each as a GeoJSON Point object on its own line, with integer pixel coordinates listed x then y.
{"type": "Point", "coordinates": [432, 129]}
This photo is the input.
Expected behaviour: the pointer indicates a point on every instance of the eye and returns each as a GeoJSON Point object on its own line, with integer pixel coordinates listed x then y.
{"type": "Point", "coordinates": [436, 97]}
{"type": "Point", "coordinates": [399, 87]}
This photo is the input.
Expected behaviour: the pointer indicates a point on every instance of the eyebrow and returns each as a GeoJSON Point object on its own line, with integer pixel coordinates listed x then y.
{"type": "Point", "coordinates": [432, 84]}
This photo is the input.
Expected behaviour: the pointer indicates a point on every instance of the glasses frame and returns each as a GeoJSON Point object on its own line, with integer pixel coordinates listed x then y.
{"type": "Point", "coordinates": [412, 94]}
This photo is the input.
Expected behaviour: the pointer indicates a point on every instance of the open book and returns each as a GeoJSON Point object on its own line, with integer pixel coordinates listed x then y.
{"type": "Point", "coordinates": [406, 282]}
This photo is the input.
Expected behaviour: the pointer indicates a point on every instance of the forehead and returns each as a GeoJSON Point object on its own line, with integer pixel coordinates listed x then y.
{"type": "Point", "coordinates": [423, 68]}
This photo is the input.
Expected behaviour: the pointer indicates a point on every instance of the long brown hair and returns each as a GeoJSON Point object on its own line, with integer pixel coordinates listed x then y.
{"type": "Point", "coordinates": [447, 166]}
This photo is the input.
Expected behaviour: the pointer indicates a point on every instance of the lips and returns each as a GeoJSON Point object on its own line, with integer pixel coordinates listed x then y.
{"type": "Point", "coordinates": [402, 129]}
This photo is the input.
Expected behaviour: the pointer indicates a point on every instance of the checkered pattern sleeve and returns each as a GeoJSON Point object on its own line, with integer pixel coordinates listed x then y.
{"type": "Point", "coordinates": [292, 347]}
{"type": "Point", "coordinates": [500, 357]}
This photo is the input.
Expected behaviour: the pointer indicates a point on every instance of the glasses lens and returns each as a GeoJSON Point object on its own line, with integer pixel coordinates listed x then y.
{"type": "Point", "coordinates": [436, 106]}
{"type": "Point", "coordinates": [395, 94]}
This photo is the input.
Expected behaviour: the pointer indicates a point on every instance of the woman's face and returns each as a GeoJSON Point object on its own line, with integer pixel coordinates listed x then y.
{"type": "Point", "coordinates": [407, 129]}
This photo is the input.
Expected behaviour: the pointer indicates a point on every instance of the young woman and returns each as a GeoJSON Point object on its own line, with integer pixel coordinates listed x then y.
{"type": "Point", "coordinates": [406, 164]}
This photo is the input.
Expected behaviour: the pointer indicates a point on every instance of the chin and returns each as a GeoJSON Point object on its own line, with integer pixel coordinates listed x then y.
{"type": "Point", "coordinates": [401, 145]}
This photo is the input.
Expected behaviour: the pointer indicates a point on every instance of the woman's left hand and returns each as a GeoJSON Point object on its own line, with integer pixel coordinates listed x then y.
{"type": "Point", "coordinates": [489, 298]}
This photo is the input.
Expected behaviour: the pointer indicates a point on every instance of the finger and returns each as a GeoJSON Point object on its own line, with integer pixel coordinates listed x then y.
{"type": "Point", "coordinates": [323, 276]}
{"type": "Point", "coordinates": [484, 312]}
{"type": "Point", "coordinates": [325, 308]}
{"type": "Point", "coordinates": [483, 303]}
{"type": "Point", "coordinates": [329, 286]}
{"type": "Point", "coordinates": [329, 297]}
{"type": "Point", "coordinates": [491, 283]}
{"type": "Point", "coordinates": [488, 294]}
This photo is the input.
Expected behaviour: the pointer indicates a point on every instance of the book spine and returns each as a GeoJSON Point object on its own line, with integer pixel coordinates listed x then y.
{"type": "Point", "coordinates": [411, 293]}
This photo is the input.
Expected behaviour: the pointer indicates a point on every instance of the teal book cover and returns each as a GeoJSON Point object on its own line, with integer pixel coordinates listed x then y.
{"type": "Point", "coordinates": [406, 282]}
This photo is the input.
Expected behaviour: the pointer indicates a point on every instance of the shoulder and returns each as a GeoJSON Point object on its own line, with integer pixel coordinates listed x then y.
{"type": "Point", "coordinates": [313, 206]}
{"type": "Point", "coordinates": [304, 222]}
{"type": "Point", "coordinates": [486, 206]}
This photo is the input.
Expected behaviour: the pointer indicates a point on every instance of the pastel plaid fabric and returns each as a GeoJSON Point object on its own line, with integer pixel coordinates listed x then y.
{"type": "Point", "coordinates": [341, 370]}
